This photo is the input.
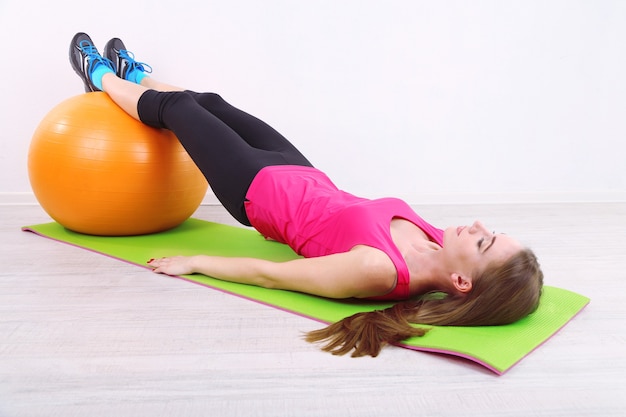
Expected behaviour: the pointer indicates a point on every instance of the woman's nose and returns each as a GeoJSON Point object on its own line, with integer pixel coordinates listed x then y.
{"type": "Point", "coordinates": [478, 227]}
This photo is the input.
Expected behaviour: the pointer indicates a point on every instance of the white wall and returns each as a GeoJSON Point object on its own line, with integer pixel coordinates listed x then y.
{"type": "Point", "coordinates": [431, 101]}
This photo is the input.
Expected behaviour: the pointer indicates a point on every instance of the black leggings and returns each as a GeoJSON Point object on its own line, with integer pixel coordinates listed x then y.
{"type": "Point", "coordinates": [228, 145]}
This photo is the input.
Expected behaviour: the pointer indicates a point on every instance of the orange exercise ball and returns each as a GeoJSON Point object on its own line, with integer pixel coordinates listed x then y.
{"type": "Point", "coordinates": [96, 170]}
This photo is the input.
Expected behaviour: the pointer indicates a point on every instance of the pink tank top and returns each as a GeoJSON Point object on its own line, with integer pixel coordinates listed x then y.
{"type": "Point", "coordinates": [300, 206]}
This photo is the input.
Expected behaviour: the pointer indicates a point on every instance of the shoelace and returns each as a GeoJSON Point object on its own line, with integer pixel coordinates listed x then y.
{"type": "Point", "coordinates": [132, 64]}
{"type": "Point", "coordinates": [92, 54]}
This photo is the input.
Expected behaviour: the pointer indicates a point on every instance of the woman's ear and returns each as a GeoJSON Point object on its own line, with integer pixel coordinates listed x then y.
{"type": "Point", "coordinates": [462, 283]}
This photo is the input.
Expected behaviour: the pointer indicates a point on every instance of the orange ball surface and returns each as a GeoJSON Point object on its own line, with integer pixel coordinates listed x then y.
{"type": "Point", "coordinates": [96, 170]}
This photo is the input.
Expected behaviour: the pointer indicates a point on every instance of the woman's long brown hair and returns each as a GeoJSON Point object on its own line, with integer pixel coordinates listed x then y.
{"type": "Point", "coordinates": [501, 294]}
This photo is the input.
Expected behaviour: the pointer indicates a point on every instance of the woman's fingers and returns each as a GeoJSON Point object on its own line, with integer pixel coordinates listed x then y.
{"type": "Point", "coordinates": [176, 265]}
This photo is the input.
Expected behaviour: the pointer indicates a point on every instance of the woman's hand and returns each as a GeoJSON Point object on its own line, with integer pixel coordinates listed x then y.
{"type": "Point", "coordinates": [176, 265]}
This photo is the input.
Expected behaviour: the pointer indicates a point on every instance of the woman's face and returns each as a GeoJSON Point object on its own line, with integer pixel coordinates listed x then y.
{"type": "Point", "coordinates": [471, 248]}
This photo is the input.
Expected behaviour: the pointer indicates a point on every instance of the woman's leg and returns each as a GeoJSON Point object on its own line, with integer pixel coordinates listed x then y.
{"type": "Point", "coordinates": [124, 93]}
{"type": "Point", "coordinates": [254, 131]}
{"type": "Point", "coordinates": [153, 84]}
{"type": "Point", "coordinates": [227, 161]}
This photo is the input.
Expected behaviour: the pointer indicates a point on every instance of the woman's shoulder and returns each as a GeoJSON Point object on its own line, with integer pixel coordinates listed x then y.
{"type": "Point", "coordinates": [376, 268]}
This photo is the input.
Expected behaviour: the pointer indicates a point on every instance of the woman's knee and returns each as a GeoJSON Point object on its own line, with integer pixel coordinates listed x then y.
{"type": "Point", "coordinates": [153, 105]}
{"type": "Point", "coordinates": [207, 100]}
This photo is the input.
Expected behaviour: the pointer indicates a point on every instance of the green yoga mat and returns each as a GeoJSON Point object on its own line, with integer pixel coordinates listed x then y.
{"type": "Point", "coordinates": [496, 347]}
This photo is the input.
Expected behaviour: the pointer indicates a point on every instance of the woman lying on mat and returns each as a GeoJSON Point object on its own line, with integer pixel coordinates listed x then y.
{"type": "Point", "coordinates": [351, 247]}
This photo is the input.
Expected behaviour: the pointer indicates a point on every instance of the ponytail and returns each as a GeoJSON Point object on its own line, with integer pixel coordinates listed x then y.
{"type": "Point", "coordinates": [502, 294]}
{"type": "Point", "coordinates": [367, 332]}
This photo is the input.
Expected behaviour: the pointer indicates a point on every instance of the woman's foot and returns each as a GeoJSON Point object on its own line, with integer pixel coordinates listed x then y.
{"type": "Point", "coordinates": [124, 61]}
{"type": "Point", "coordinates": [88, 63]}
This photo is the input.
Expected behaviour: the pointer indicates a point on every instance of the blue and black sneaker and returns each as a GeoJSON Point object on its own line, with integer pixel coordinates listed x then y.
{"type": "Point", "coordinates": [124, 61]}
{"type": "Point", "coordinates": [84, 57]}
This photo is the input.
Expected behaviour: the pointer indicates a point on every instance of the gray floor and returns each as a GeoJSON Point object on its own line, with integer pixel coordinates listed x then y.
{"type": "Point", "coordinates": [85, 335]}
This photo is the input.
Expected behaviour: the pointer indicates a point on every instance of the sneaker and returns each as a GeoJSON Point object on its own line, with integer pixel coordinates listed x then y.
{"type": "Point", "coordinates": [123, 60]}
{"type": "Point", "coordinates": [84, 57]}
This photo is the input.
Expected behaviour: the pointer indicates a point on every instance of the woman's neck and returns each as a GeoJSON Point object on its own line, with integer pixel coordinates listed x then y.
{"type": "Point", "coordinates": [421, 256]}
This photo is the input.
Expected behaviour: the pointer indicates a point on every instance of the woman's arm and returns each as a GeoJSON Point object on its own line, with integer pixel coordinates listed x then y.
{"type": "Point", "coordinates": [361, 272]}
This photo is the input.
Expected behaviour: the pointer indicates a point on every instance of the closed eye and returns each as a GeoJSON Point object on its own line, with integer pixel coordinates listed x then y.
{"type": "Point", "coordinates": [491, 242]}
